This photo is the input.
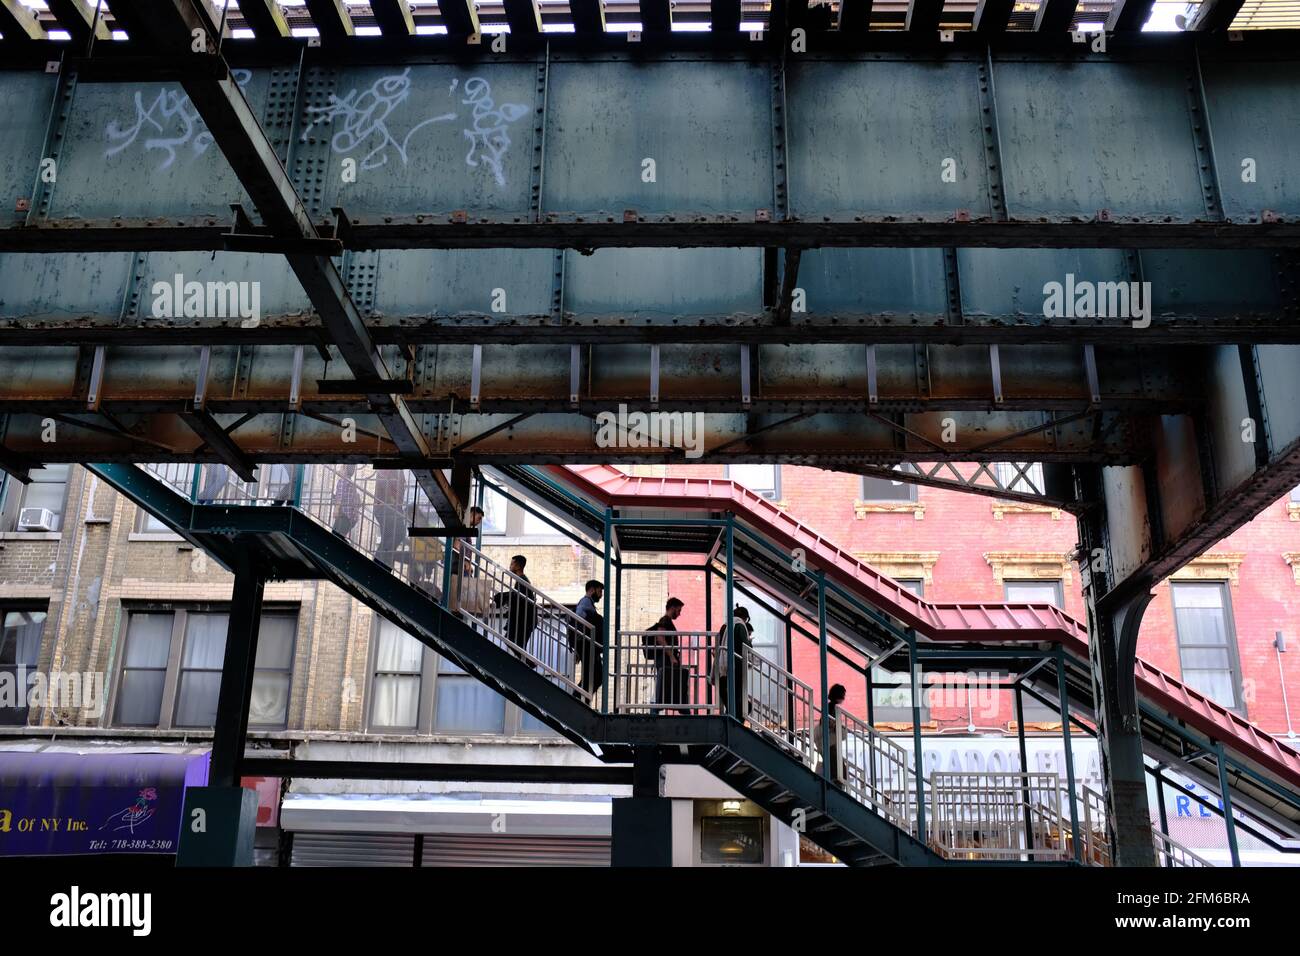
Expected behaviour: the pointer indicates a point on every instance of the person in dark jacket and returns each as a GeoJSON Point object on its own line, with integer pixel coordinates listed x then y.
{"type": "Point", "coordinates": [663, 648]}
{"type": "Point", "coordinates": [213, 487]}
{"type": "Point", "coordinates": [390, 514]}
{"type": "Point", "coordinates": [721, 667]}
{"type": "Point", "coordinates": [834, 697]}
{"type": "Point", "coordinates": [347, 501]}
{"type": "Point", "coordinates": [520, 603]}
{"type": "Point", "coordinates": [589, 650]}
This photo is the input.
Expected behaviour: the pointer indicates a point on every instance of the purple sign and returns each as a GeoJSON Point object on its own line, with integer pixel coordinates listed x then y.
{"type": "Point", "coordinates": [62, 803]}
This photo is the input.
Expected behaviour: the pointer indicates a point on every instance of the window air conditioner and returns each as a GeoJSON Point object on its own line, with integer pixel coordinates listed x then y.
{"type": "Point", "coordinates": [36, 519]}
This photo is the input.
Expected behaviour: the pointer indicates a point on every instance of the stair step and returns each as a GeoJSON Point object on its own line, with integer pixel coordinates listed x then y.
{"type": "Point", "coordinates": [785, 796]}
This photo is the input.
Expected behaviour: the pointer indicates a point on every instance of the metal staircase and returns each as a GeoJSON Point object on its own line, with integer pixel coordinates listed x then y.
{"type": "Point", "coordinates": [847, 787]}
{"type": "Point", "coordinates": [406, 580]}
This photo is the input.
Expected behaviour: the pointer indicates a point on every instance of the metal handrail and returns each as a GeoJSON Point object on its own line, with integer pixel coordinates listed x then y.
{"type": "Point", "coordinates": [1171, 853]}
{"type": "Point", "coordinates": [982, 816]}
{"type": "Point", "coordinates": [664, 672]}
{"type": "Point", "coordinates": [779, 706]}
{"type": "Point", "coordinates": [518, 616]}
{"type": "Point", "coordinates": [874, 770]}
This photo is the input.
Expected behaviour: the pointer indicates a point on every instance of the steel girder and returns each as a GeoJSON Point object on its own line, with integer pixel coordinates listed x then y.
{"type": "Point", "coordinates": [1141, 146]}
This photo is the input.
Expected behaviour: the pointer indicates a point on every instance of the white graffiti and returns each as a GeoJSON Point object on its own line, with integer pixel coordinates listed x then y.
{"type": "Point", "coordinates": [363, 118]}
{"type": "Point", "coordinates": [171, 112]}
{"type": "Point", "coordinates": [489, 136]}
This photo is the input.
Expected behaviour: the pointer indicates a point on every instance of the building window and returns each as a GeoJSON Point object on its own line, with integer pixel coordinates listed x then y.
{"type": "Point", "coordinates": [144, 670]}
{"type": "Point", "coordinates": [172, 662]}
{"type": "Point", "coordinates": [1207, 643]}
{"type": "Point", "coordinates": [1036, 592]}
{"type": "Point", "coordinates": [885, 489]}
{"type": "Point", "coordinates": [494, 512]}
{"type": "Point", "coordinates": [891, 697]}
{"type": "Point", "coordinates": [1021, 476]}
{"type": "Point", "coordinates": [915, 585]}
{"type": "Point", "coordinates": [273, 677]}
{"type": "Point", "coordinates": [763, 480]}
{"type": "Point", "coordinates": [200, 672]}
{"type": "Point", "coordinates": [20, 647]}
{"type": "Point", "coordinates": [1033, 592]}
{"type": "Point", "coordinates": [506, 519]}
{"type": "Point", "coordinates": [416, 691]}
{"type": "Point", "coordinates": [37, 506]}
{"type": "Point", "coordinates": [395, 696]}
{"type": "Point", "coordinates": [465, 705]}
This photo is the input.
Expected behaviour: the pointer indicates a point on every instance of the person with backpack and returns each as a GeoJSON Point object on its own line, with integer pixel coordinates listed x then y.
{"type": "Point", "coordinates": [720, 665]}
{"type": "Point", "coordinates": [662, 647]}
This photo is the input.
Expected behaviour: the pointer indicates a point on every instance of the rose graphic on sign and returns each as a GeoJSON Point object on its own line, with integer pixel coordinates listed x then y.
{"type": "Point", "coordinates": [137, 813]}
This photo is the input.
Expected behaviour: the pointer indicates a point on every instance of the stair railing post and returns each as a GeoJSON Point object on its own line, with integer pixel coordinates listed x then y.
{"type": "Point", "coordinates": [915, 675]}
{"type": "Point", "coordinates": [1069, 754]}
{"type": "Point", "coordinates": [1230, 825]}
{"type": "Point", "coordinates": [730, 649]}
{"type": "Point", "coordinates": [194, 483]}
{"type": "Point", "coordinates": [606, 703]}
{"type": "Point", "coordinates": [298, 478]}
{"type": "Point", "coordinates": [446, 572]}
{"type": "Point", "coordinates": [708, 627]}
{"type": "Point", "coordinates": [821, 663]}
{"type": "Point", "coordinates": [1024, 770]}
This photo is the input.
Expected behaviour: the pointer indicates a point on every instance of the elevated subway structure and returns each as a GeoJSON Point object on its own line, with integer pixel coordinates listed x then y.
{"type": "Point", "coordinates": [496, 274]}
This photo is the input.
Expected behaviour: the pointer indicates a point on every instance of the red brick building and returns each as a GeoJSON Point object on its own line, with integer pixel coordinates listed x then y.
{"type": "Point", "coordinates": [1213, 624]}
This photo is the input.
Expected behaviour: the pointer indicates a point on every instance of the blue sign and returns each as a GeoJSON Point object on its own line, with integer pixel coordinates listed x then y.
{"type": "Point", "coordinates": [69, 803]}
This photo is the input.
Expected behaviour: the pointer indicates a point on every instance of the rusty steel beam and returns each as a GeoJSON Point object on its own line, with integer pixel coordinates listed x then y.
{"type": "Point", "coordinates": [402, 231]}
{"type": "Point", "coordinates": [475, 329]}
{"type": "Point", "coordinates": [831, 440]}
{"type": "Point", "coordinates": [811, 378]}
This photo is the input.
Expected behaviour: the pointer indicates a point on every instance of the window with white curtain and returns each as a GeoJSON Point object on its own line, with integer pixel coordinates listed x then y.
{"type": "Point", "coordinates": [1207, 644]}
{"type": "Point", "coordinates": [172, 661]}
{"type": "Point", "coordinates": [395, 689]}
{"type": "Point", "coordinates": [144, 670]}
{"type": "Point", "coordinates": [20, 647]}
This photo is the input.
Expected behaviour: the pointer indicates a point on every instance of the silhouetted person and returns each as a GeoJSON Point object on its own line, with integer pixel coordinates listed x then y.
{"type": "Point", "coordinates": [834, 697]}
{"type": "Point", "coordinates": [588, 647]}
{"type": "Point", "coordinates": [722, 663]}
{"type": "Point", "coordinates": [520, 603]}
{"type": "Point", "coordinates": [663, 649]}
{"type": "Point", "coordinates": [390, 513]}
{"type": "Point", "coordinates": [215, 478]}
{"type": "Point", "coordinates": [347, 501]}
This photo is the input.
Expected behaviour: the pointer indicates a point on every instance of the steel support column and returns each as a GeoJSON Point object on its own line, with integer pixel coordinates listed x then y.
{"type": "Point", "coordinates": [1112, 649]}
{"type": "Point", "coordinates": [237, 673]}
